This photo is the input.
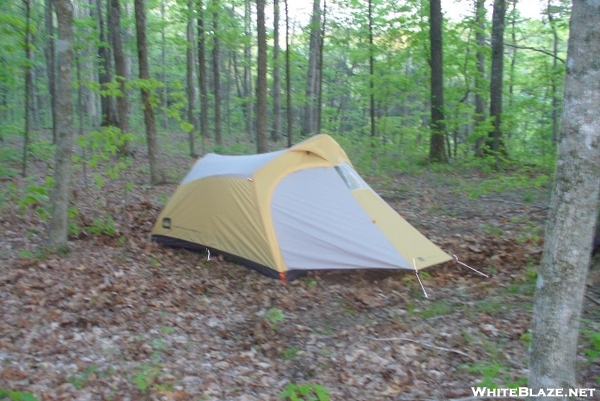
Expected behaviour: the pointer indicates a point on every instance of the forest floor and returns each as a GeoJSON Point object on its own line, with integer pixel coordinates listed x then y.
{"type": "Point", "coordinates": [122, 318]}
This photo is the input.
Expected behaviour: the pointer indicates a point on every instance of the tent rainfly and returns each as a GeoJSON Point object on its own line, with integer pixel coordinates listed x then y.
{"type": "Point", "coordinates": [286, 212]}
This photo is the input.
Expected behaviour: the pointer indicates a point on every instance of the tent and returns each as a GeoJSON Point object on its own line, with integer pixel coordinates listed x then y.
{"type": "Point", "coordinates": [286, 212]}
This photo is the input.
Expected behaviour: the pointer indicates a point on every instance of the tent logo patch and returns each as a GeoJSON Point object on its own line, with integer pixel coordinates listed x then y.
{"type": "Point", "coordinates": [166, 223]}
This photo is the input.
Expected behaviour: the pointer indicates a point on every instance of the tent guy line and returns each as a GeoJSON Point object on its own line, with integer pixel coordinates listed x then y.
{"type": "Point", "coordinates": [466, 265]}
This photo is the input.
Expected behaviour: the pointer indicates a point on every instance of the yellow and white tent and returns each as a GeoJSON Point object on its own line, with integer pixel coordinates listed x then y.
{"type": "Point", "coordinates": [286, 212]}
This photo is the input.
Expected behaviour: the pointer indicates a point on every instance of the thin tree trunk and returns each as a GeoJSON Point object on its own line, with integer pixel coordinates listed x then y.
{"type": "Point", "coordinates": [27, 70]}
{"type": "Point", "coordinates": [513, 56]}
{"type": "Point", "coordinates": [555, 100]}
{"type": "Point", "coordinates": [276, 132]}
{"type": "Point", "coordinates": [319, 107]}
{"type": "Point", "coordinates": [217, 72]}
{"type": "Point", "coordinates": [288, 77]}
{"type": "Point", "coordinates": [561, 282]}
{"type": "Point", "coordinates": [248, 68]}
{"type": "Point", "coordinates": [480, 81]}
{"type": "Point", "coordinates": [262, 145]}
{"type": "Point", "coordinates": [191, 89]}
{"type": "Point", "coordinates": [151, 137]}
{"type": "Point", "coordinates": [202, 75]}
{"type": "Point", "coordinates": [309, 120]}
{"type": "Point", "coordinates": [50, 64]}
{"type": "Point", "coordinates": [436, 145]}
{"type": "Point", "coordinates": [163, 57]}
{"type": "Point", "coordinates": [120, 70]}
{"type": "Point", "coordinates": [371, 71]}
{"type": "Point", "coordinates": [34, 101]}
{"type": "Point", "coordinates": [104, 75]}
{"type": "Point", "coordinates": [58, 227]}
{"type": "Point", "coordinates": [495, 142]}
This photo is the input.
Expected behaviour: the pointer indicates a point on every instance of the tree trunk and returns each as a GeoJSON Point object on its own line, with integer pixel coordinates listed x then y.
{"type": "Point", "coordinates": [309, 121]}
{"type": "Point", "coordinates": [276, 132]}
{"type": "Point", "coordinates": [495, 143]}
{"type": "Point", "coordinates": [217, 72]}
{"type": "Point", "coordinates": [104, 75]}
{"type": "Point", "coordinates": [319, 107]}
{"type": "Point", "coordinates": [437, 152]}
{"type": "Point", "coordinates": [140, 28]}
{"type": "Point", "coordinates": [248, 68]}
{"type": "Point", "coordinates": [27, 91]}
{"type": "Point", "coordinates": [163, 57]}
{"type": "Point", "coordinates": [513, 56]}
{"type": "Point", "coordinates": [262, 145]}
{"type": "Point", "coordinates": [191, 88]}
{"type": "Point", "coordinates": [573, 210]}
{"type": "Point", "coordinates": [58, 227]}
{"type": "Point", "coordinates": [555, 100]}
{"type": "Point", "coordinates": [90, 96]}
{"type": "Point", "coordinates": [50, 64]}
{"type": "Point", "coordinates": [120, 70]}
{"type": "Point", "coordinates": [288, 78]}
{"type": "Point", "coordinates": [372, 70]}
{"type": "Point", "coordinates": [480, 81]}
{"type": "Point", "coordinates": [202, 75]}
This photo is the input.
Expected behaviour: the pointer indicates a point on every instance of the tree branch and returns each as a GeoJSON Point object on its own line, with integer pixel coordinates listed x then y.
{"type": "Point", "coordinates": [535, 50]}
{"type": "Point", "coordinates": [426, 345]}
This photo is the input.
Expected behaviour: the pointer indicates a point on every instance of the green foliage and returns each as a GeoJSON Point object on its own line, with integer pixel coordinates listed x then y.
{"type": "Point", "coordinates": [81, 378]}
{"type": "Point", "coordinates": [495, 375]}
{"type": "Point", "coordinates": [591, 339]}
{"type": "Point", "coordinates": [524, 178]}
{"type": "Point", "coordinates": [274, 316]}
{"type": "Point", "coordinates": [437, 308]}
{"type": "Point", "coordinates": [16, 395]}
{"type": "Point", "coordinates": [42, 150]}
{"type": "Point", "coordinates": [104, 225]}
{"type": "Point", "coordinates": [148, 376]}
{"type": "Point", "coordinates": [289, 353]}
{"type": "Point", "coordinates": [305, 392]}
{"type": "Point", "coordinates": [37, 197]}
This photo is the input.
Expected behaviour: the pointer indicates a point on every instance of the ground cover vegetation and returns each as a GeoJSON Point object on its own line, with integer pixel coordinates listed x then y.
{"type": "Point", "coordinates": [112, 315]}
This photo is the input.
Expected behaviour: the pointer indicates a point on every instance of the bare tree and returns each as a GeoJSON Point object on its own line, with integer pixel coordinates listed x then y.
{"type": "Point", "coordinates": [437, 152]}
{"type": "Point", "coordinates": [57, 229]}
{"type": "Point", "coordinates": [561, 279]}
{"type": "Point", "coordinates": [262, 144]}
{"type": "Point", "coordinates": [140, 28]}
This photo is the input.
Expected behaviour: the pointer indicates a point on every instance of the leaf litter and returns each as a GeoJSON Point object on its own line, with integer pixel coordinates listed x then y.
{"type": "Point", "coordinates": [120, 317]}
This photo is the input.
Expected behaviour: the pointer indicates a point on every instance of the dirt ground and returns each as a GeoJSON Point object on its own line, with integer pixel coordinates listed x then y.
{"type": "Point", "coordinates": [122, 318]}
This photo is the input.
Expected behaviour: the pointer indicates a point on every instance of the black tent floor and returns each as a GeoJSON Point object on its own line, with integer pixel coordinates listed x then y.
{"type": "Point", "coordinates": [267, 271]}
